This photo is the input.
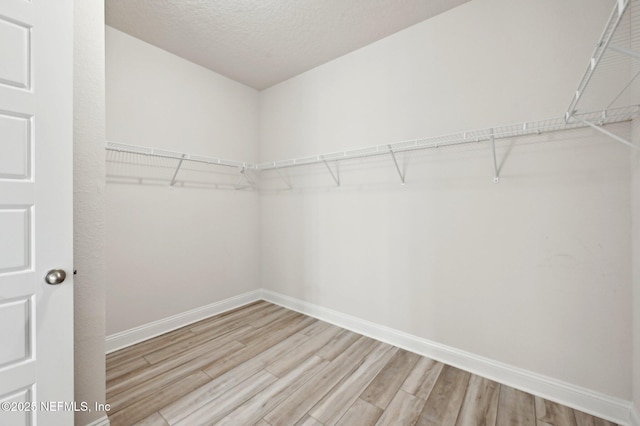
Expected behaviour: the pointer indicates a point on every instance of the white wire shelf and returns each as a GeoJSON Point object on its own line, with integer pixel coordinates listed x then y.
{"type": "Point", "coordinates": [615, 62]}
{"type": "Point", "coordinates": [595, 120]}
{"type": "Point", "coordinates": [600, 118]}
{"type": "Point", "coordinates": [243, 167]}
{"type": "Point", "coordinates": [155, 152]}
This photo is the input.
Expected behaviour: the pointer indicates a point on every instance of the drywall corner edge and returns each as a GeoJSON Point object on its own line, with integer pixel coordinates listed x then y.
{"type": "Point", "coordinates": [586, 400]}
{"type": "Point", "coordinates": [147, 331]}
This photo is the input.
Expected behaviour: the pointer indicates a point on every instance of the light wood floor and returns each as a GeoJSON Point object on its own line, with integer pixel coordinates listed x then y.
{"type": "Point", "coordinates": [265, 365]}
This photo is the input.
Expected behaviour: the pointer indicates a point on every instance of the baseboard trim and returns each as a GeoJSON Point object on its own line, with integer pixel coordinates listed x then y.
{"type": "Point", "coordinates": [144, 332]}
{"type": "Point", "coordinates": [102, 421]}
{"type": "Point", "coordinates": [614, 409]}
{"type": "Point", "coordinates": [634, 416]}
{"type": "Point", "coordinates": [600, 405]}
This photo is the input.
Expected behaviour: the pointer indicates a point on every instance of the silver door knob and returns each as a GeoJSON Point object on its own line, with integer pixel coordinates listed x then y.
{"type": "Point", "coordinates": [55, 276]}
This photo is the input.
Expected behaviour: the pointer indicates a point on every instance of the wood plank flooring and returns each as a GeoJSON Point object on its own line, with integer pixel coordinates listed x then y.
{"type": "Point", "coordinates": [265, 365]}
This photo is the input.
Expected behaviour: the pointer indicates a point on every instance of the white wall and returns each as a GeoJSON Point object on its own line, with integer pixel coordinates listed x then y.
{"type": "Point", "coordinates": [635, 249]}
{"type": "Point", "coordinates": [534, 271]}
{"type": "Point", "coordinates": [88, 205]}
{"type": "Point", "coordinates": [172, 250]}
{"type": "Point", "coordinates": [635, 214]}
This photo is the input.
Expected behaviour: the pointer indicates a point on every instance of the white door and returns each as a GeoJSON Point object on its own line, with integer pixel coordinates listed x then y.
{"type": "Point", "coordinates": [36, 131]}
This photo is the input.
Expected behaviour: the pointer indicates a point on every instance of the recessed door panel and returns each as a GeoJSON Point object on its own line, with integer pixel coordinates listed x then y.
{"type": "Point", "coordinates": [15, 61]}
{"type": "Point", "coordinates": [16, 341]}
{"type": "Point", "coordinates": [15, 244]}
{"type": "Point", "coordinates": [15, 147]}
{"type": "Point", "coordinates": [21, 407]}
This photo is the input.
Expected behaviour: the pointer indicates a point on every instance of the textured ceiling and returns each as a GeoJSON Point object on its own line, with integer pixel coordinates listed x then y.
{"type": "Point", "coordinates": [263, 42]}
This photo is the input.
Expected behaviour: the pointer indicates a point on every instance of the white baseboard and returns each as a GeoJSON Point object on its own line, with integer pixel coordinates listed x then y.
{"type": "Point", "coordinates": [634, 416]}
{"type": "Point", "coordinates": [600, 405]}
{"type": "Point", "coordinates": [147, 331]}
{"type": "Point", "coordinates": [614, 409]}
{"type": "Point", "coordinates": [102, 421]}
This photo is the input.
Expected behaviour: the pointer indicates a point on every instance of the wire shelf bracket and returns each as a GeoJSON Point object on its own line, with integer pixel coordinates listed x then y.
{"type": "Point", "coordinates": [336, 175]}
{"type": "Point", "coordinates": [395, 162]}
{"type": "Point", "coordinates": [625, 51]}
{"type": "Point", "coordinates": [496, 171]}
{"type": "Point", "coordinates": [285, 180]}
{"type": "Point", "coordinates": [606, 132]}
{"type": "Point", "coordinates": [244, 175]}
{"type": "Point", "coordinates": [175, 174]}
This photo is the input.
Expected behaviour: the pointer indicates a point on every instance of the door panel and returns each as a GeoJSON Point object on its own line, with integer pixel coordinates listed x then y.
{"type": "Point", "coordinates": [15, 146]}
{"type": "Point", "coordinates": [36, 222]}
{"type": "Point", "coordinates": [15, 45]}
{"type": "Point", "coordinates": [19, 417]}
{"type": "Point", "coordinates": [16, 341]}
{"type": "Point", "coordinates": [15, 246]}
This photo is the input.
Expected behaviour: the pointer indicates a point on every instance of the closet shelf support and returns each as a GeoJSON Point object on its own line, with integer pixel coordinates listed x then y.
{"type": "Point", "coordinates": [175, 174]}
{"type": "Point", "coordinates": [606, 132]}
{"type": "Point", "coordinates": [244, 174]}
{"type": "Point", "coordinates": [625, 51]}
{"type": "Point", "coordinates": [496, 171]}
{"type": "Point", "coordinates": [286, 181]}
{"type": "Point", "coordinates": [395, 161]}
{"type": "Point", "coordinates": [336, 175]}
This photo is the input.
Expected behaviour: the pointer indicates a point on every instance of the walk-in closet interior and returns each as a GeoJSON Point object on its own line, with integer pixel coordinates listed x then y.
{"type": "Point", "coordinates": [465, 189]}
